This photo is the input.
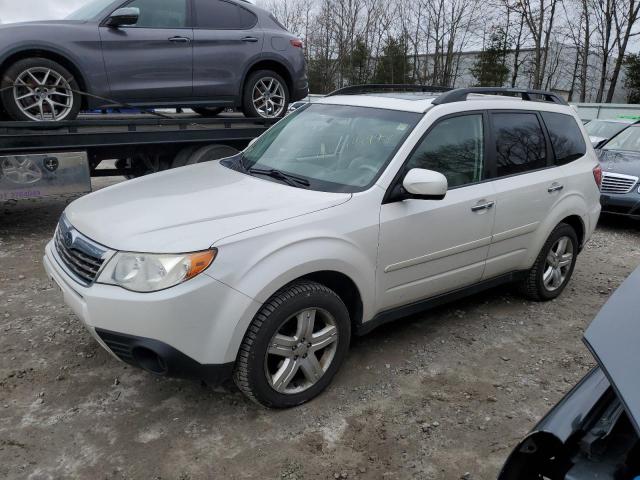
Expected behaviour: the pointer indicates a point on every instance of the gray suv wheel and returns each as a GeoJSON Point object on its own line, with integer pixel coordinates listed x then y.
{"type": "Point", "coordinates": [265, 95]}
{"type": "Point", "coordinates": [39, 89]}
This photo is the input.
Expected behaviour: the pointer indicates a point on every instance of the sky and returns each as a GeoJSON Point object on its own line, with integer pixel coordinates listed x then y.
{"type": "Point", "coordinates": [21, 10]}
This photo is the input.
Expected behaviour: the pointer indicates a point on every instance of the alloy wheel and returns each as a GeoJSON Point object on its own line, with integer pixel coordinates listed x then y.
{"type": "Point", "coordinates": [268, 97]}
{"type": "Point", "coordinates": [42, 94]}
{"type": "Point", "coordinates": [558, 264]}
{"type": "Point", "coordinates": [301, 351]}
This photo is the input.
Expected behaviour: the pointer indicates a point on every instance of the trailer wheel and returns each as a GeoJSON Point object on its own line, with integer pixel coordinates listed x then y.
{"type": "Point", "coordinates": [208, 112]}
{"type": "Point", "coordinates": [39, 89]}
{"type": "Point", "coordinates": [208, 153]}
{"type": "Point", "coordinates": [183, 156]}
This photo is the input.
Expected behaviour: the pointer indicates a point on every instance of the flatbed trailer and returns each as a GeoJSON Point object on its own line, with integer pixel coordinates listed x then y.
{"type": "Point", "coordinates": [44, 158]}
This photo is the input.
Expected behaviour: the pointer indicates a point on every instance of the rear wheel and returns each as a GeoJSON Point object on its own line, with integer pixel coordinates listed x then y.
{"type": "Point", "coordinates": [208, 111]}
{"type": "Point", "coordinates": [294, 346]}
{"type": "Point", "coordinates": [265, 95]}
{"type": "Point", "coordinates": [39, 89]}
{"type": "Point", "coordinates": [554, 266]}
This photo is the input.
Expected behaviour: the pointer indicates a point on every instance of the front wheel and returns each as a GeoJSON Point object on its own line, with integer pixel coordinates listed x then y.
{"type": "Point", "coordinates": [554, 266]}
{"type": "Point", "coordinates": [294, 346]}
{"type": "Point", "coordinates": [39, 89]}
{"type": "Point", "coordinates": [265, 95]}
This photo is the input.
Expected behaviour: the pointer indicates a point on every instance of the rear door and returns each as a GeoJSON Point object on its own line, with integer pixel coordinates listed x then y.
{"type": "Point", "coordinates": [428, 247]}
{"type": "Point", "coordinates": [527, 186]}
{"type": "Point", "coordinates": [226, 39]}
{"type": "Point", "coordinates": [152, 60]}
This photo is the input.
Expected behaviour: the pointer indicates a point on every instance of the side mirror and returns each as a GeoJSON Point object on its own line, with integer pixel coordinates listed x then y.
{"type": "Point", "coordinates": [425, 184]}
{"type": "Point", "coordinates": [124, 16]}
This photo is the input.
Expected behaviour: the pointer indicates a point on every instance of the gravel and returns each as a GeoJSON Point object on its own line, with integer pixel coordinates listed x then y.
{"type": "Point", "coordinates": [440, 395]}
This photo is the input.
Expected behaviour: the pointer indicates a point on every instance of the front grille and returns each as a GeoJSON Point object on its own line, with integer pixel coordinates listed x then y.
{"type": "Point", "coordinates": [80, 255]}
{"type": "Point", "coordinates": [617, 183]}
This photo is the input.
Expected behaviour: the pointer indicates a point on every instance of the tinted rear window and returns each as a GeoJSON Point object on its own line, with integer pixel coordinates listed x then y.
{"type": "Point", "coordinates": [520, 143]}
{"type": "Point", "coordinates": [221, 15]}
{"type": "Point", "coordinates": [566, 137]}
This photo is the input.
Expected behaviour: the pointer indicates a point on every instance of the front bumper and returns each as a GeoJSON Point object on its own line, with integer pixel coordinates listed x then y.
{"type": "Point", "coordinates": [192, 328]}
{"type": "Point", "coordinates": [627, 204]}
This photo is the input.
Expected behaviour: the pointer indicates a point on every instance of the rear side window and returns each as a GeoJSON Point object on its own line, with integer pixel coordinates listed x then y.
{"type": "Point", "coordinates": [455, 148]}
{"type": "Point", "coordinates": [566, 137]}
{"type": "Point", "coordinates": [221, 15]}
{"type": "Point", "coordinates": [520, 143]}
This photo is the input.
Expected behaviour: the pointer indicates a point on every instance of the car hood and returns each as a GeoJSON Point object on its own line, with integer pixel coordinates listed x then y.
{"type": "Point", "coordinates": [614, 340]}
{"type": "Point", "coordinates": [618, 161]}
{"type": "Point", "coordinates": [189, 208]}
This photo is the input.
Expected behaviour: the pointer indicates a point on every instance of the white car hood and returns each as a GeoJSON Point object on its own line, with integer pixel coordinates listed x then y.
{"type": "Point", "coordinates": [189, 208]}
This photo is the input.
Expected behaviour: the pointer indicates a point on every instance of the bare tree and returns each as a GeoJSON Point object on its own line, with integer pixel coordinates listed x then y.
{"type": "Point", "coordinates": [626, 18]}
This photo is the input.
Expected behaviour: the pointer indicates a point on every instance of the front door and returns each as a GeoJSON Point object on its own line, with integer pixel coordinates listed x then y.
{"type": "Point", "coordinates": [152, 60]}
{"type": "Point", "coordinates": [428, 247]}
{"type": "Point", "coordinates": [225, 41]}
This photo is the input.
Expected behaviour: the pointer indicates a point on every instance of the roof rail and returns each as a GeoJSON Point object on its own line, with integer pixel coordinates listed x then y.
{"type": "Point", "coordinates": [460, 94]}
{"type": "Point", "coordinates": [387, 87]}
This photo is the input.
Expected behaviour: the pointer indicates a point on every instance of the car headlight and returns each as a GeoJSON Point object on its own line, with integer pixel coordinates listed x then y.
{"type": "Point", "coordinates": [149, 272]}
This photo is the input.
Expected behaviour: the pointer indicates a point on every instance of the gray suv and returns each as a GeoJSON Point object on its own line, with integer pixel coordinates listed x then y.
{"type": "Point", "coordinates": [202, 54]}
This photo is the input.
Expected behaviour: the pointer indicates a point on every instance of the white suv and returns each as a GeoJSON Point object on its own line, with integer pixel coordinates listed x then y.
{"type": "Point", "coordinates": [351, 212]}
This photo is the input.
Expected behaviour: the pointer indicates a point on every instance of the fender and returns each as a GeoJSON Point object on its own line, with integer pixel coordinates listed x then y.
{"type": "Point", "coordinates": [261, 57]}
{"type": "Point", "coordinates": [273, 268]}
{"type": "Point", "coordinates": [98, 79]}
{"type": "Point", "coordinates": [573, 204]}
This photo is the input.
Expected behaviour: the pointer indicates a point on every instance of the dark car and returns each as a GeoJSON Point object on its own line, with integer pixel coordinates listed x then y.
{"type": "Point", "coordinates": [202, 54]}
{"type": "Point", "coordinates": [601, 130]}
{"type": "Point", "coordinates": [620, 161]}
{"type": "Point", "coordinates": [594, 432]}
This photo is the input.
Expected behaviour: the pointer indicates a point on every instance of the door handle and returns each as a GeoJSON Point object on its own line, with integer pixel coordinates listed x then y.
{"type": "Point", "coordinates": [180, 39]}
{"type": "Point", "coordinates": [555, 187]}
{"type": "Point", "coordinates": [483, 206]}
{"type": "Point", "coordinates": [250, 39]}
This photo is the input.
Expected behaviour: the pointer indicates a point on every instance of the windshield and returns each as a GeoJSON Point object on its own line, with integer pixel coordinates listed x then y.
{"type": "Point", "coordinates": [89, 10]}
{"type": "Point", "coordinates": [628, 140]}
{"type": "Point", "coordinates": [336, 148]}
{"type": "Point", "coordinates": [602, 129]}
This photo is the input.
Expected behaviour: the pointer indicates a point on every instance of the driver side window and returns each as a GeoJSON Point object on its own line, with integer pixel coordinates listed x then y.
{"type": "Point", "coordinates": [455, 148]}
{"type": "Point", "coordinates": [161, 13]}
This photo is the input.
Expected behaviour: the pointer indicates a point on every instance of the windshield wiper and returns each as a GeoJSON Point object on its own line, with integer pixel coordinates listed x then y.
{"type": "Point", "coordinates": [288, 178]}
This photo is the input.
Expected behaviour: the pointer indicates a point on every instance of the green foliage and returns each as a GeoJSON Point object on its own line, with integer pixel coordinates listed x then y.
{"type": "Point", "coordinates": [357, 63]}
{"type": "Point", "coordinates": [490, 69]}
{"type": "Point", "coordinates": [319, 73]}
{"type": "Point", "coordinates": [393, 65]}
{"type": "Point", "coordinates": [632, 80]}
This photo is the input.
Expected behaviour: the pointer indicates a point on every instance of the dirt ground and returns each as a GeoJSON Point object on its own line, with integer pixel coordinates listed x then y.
{"type": "Point", "coordinates": [444, 395]}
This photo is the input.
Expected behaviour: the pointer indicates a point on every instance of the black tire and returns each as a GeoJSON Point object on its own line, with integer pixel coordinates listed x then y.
{"type": "Point", "coordinates": [249, 372]}
{"type": "Point", "coordinates": [14, 71]}
{"type": "Point", "coordinates": [208, 112]}
{"type": "Point", "coordinates": [206, 153]}
{"type": "Point", "coordinates": [248, 107]}
{"type": "Point", "coordinates": [182, 157]}
{"type": "Point", "coordinates": [533, 286]}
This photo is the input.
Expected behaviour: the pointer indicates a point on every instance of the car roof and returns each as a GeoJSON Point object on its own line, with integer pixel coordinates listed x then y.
{"type": "Point", "coordinates": [420, 102]}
